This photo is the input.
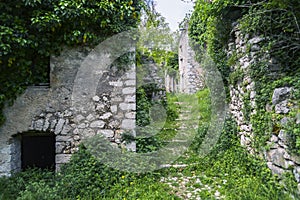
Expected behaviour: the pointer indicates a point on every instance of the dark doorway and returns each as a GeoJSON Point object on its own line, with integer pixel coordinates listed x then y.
{"type": "Point", "coordinates": [38, 150]}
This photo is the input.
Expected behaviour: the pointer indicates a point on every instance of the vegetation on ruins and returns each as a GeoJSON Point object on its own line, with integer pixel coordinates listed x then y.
{"type": "Point", "coordinates": [228, 171]}
{"type": "Point", "coordinates": [277, 23]}
{"type": "Point", "coordinates": [32, 30]}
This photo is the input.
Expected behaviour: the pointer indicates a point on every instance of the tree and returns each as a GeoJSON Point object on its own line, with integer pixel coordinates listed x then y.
{"type": "Point", "coordinates": [32, 30]}
{"type": "Point", "coordinates": [156, 38]}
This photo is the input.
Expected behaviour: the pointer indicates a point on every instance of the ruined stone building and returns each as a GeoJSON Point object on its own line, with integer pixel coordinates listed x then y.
{"type": "Point", "coordinates": [189, 78]}
{"type": "Point", "coordinates": [190, 73]}
{"type": "Point", "coordinates": [46, 124]}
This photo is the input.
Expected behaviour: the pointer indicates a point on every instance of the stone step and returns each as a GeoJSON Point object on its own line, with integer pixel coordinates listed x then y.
{"type": "Point", "coordinates": [187, 120]}
{"type": "Point", "coordinates": [178, 165]}
{"type": "Point", "coordinates": [179, 141]}
{"type": "Point", "coordinates": [185, 111]}
{"type": "Point", "coordinates": [179, 103]}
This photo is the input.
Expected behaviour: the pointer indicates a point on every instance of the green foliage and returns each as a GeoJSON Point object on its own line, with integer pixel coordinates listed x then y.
{"type": "Point", "coordinates": [147, 187]}
{"type": "Point", "coordinates": [234, 173]}
{"type": "Point", "coordinates": [143, 108]}
{"type": "Point", "coordinates": [11, 187]}
{"type": "Point", "coordinates": [277, 22]}
{"type": "Point", "coordinates": [228, 169]}
{"type": "Point", "coordinates": [293, 132]}
{"type": "Point", "coordinates": [32, 30]}
{"type": "Point", "coordinates": [146, 113]}
{"type": "Point", "coordinates": [83, 178]}
{"type": "Point", "coordinates": [157, 41]}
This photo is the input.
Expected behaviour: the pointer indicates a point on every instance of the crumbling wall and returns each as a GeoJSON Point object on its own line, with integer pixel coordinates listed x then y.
{"type": "Point", "coordinates": [243, 104]}
{"type": "Point", "coordinates": [51, 109]}
{"type": "Point", "coordinates": [190, 73]}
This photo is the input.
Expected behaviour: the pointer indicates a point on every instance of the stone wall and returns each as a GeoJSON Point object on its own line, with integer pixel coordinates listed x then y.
{"type": "Point", "coordinates": [190, 73]}
{"type": "Point", "coordinates": [243, 93]}
{"type": "Point", "coordinates": [244, 88]}
{"type": "Point", "coordinates": [51, 109]}
{"type": "Point", "coordinates": [171, 80]}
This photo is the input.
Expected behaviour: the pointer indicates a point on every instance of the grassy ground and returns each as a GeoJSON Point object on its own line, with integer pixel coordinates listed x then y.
{"type": "Point", "coordinates": [228, 172]}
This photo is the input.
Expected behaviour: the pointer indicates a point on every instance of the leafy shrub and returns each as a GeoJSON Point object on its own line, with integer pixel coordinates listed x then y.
{"type": "Point", "coordinates": [10, 187]}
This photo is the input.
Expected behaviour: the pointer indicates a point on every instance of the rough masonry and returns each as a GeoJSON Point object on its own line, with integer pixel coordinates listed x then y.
{"type": "Point", "coordinates": [190, 73]}
{"type": "Point", "coordinates": [243, 92]}
{"type": "Point", "coordinates": [51, 109]}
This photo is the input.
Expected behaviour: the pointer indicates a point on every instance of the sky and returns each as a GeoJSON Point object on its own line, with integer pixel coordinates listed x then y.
{"type": "Point", "coordinates": [173, 10]}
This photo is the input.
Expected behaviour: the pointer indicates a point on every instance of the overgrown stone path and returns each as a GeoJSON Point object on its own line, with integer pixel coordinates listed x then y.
{"type": "Point", "coordinates": [189, 185]}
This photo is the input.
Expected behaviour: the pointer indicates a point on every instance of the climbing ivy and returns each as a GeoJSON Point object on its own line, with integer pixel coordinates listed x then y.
{"type": "Point", "coordinates": [277, 22]}
{"type": "Point", "coordinates": [32, 30]}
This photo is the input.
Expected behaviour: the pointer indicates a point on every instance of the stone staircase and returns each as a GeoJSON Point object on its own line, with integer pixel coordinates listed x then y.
{"type": "Point", "coordinates": [188, 187]}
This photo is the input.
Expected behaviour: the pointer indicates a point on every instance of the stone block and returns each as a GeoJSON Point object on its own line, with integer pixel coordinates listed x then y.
{"type": "Point", "coordinates": [90, 117]}
{"type": "Point", "coordinates": [130, 115]}
{"type": "Point", "coordinates": [114, 124]}
{"type": "Point", "coordinates": [119, 116]}
{"type": "Point", "coordinates": [130, 83]}
{"type": "Point", "coordinates": [131, 75]}
{"type": "Point", "coordinates": [284, 121]}
{"type": "Point", "coordinates": [116, 83]}
{"type": "Point", "coordinates": [46, 124]}
{"type": "Point", "coordinates": [131, 146]}
{"type": "Point", "coordinates": [39, 125]}
{"type": "Point", "coordinates": [62, 158]}
{"type": "Point", "coordinates": [107, 133]}
{"type": "Point", "coordinates": [255, 40]}
{"type": "Point", "coordinates": [59, 146]}
{"type": "Point", "coordinates": [116, 99]}
{"type": "Point", "coordinates": [106, 116]}
{"type": "Point", "coordinates": [128, 124]}
{"type": "Point", "coordinates": [246, 128]}
{"type": "Point", "coordinates": [276, 156]}
{"type": "Point", "coordinates": [76, 138]}
{"type": "Point", "coordinates": [274, 138]}
{"type": "Point", "coordinates": [298, 118]}
{"type": "Point", "coordinates": [100, 108]}
{"type": "Point", "coordinates": [280, 94]}
{"type": "Point", "coordinates": [127, 106]}
{"type": "Point", "coordinates": [82, 125]}
{"type": "Point", "coordinates": [130, 99]}
{"type": "Point", "coordinates": [66, 129]}
{"type": "Point", "coordinates": [296, 172]}
{"type": "Point", "coordinates": [59, 126]}
{"type": "Point", "coordinates": [129, 90]}
{"type": "Point", "coordinates": [97, 124]}
{"type": "Point", "coordinates": [114, 109]}
{"type": "Point", "coordinates": [282, 107]}
{"type": "Point", "coordinates": [78, 118]}
{"type": "Point", "coordinates": [245, 141]}
{"type": "Point", "coordinates": [283, 136]}
{"type": "Point", "coordinates": [275, 169]}
{"type": "Point", "coordinates": [255, 48]}
{"type": "Point", "coordinates": [60, 138]}
{"type": "Point", "coordinates": [252, 94]}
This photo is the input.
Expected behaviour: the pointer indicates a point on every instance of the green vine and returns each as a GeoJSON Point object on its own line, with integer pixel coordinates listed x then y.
{"type": "Point", "coordinates": [276, 22]}
{"type": "Point", "coordinates": [32, 30]}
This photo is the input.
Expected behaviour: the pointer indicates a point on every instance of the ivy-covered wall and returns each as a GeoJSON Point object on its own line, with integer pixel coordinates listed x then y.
{"type": "Point", "coordinates": [255, 45]}
{"type": "Point", "coordinates": [33, 30]}
{"type": "Point", "coordinates": [72, 115]}
{"type": "Point", "coordinates": [263, 132]}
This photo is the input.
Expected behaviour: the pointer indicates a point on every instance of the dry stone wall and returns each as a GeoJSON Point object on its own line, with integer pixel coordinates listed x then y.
{"type": "Point", "coordinates": [190, 73]}
{"type": "Point", "coordinates": [50, 109]}
{"type": "Point", "coordinates": [244, 88]}
{"type": "Point", "coordinates": [243, 106]}
{"type": "Point", "coordinates": [171, 80]}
